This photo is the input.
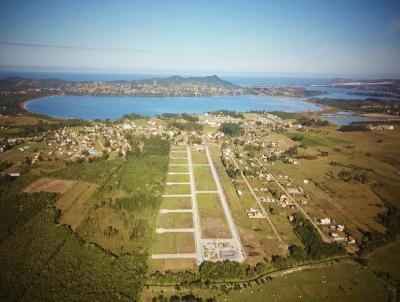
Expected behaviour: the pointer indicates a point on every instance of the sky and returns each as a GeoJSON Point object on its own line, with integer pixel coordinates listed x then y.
{"type": "Point", "coordinates": [310, 37]}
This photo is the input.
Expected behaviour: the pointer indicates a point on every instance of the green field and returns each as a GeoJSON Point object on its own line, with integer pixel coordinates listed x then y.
{"type": "Point", "coordinates": [173, 203]}
{"type": "Point", "coordinates": [199, 157]}
{"type": "Point", "coordinates": [178, 169]}
{"type": "Point", "coordinates": [212, 218]}
{"type": "Point", "coordinates": [204, 179]}
{"type": "Point", "coordinates": [177, 189]}
{"type": "Point", "coordinates": [172, 243]}
{"type": "Point", "coordinates": [178, 178]}
{"type": "Point", "coordinates": [175, 220]}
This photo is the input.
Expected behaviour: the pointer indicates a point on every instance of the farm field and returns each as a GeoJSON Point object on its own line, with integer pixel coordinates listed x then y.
{"type": "Point", "coordinates": [50, 185]}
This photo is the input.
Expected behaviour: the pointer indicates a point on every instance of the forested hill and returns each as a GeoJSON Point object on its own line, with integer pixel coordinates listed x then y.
{"type": "Point", "coordinates": [211, 81]}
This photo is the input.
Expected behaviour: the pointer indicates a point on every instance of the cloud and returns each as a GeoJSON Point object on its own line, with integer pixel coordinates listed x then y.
{"type": "Point", "coordinates": [36, 45]}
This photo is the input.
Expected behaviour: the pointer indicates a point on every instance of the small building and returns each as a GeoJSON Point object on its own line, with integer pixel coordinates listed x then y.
{"type": "Point", "coordinates": [14, 174]}
{"type": "Point", "coordinates": [325, 221]}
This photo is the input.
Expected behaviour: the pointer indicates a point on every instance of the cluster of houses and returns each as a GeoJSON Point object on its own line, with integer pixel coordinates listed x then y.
{"type": "Point", "coordinates": [90, 141]}
{"type": "Point", "coordinates": [337, 231]}
{"type": "Point", "coordinates": [380, 127]}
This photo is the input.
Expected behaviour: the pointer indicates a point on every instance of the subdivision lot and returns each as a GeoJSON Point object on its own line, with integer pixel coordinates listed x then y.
{"type": "Point", "coordinates": [74, 204]}
{"type": "Point", "coordinates": [174, 203]}
{"type": "Point", "coordinates": [212, 218]}
{"type": "Point", "coordinates": [178, 159]}
{"type": "Point", "coordinates": [45, 184]}
{"type": "Point", "coordinates": [173, 243]}
{"type": "Point", "coordinates": [199, 157]}
{"type": "Point", "coordinates": [172, 168]}
{"type": "Point", "coordinates": [177, 189]}
{"type": "Point", "coordinates": [204, 179]}
{"type": "Point", "coordinates": [174, 220]}
{"type": "Point", "coordinates": [178, 178]}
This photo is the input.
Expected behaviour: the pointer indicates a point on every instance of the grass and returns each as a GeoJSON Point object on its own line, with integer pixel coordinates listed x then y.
{"type": "Point", "coordinates": [178, 169]}
{"type": "Point", "coordinates": [204, 179]}
{"type": "Point", "coordinates": [173, 203]}
{"type": "Point", "coordinates": [178, 178]}
{"type": "Point", "coordinates": [199, 157]}
{"type": "Point", "coordinates": [175, 220]}
{"type": "Point", "coordinates": [177, 189]}
{"type": "Point", "coordinates": [212, 218]}
{"type": "Point", "coordinates": [179, 160]}
{"type": "Point", "coordinates": [172, 243]}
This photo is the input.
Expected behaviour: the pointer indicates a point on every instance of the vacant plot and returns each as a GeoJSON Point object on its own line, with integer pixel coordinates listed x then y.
{"type": "Point", "coordinates": [50, 185]}
{"type": "Point", "coordinates": [178, 169]}
{"type": "Point", "coordinates": [212, 218]}
{"type": "Point", "coordinates": [178, 178]}
{"type": "Point", "coordinates": [178, 159]}
{"type": "Point", "coordinates": [173, 203]}
{"type": "Point", "coordinates": [172, 243]}
{"type": "Point", "coordinates": [204, 179]}
{"type": "Point", "coordinates": [199, 157]}
{"type": "Point", "coordinates": [177, 189]}
{"type": "Point", "coordinates": [74, 204]}
{"type": "Point", "coordinates": [174, 220]}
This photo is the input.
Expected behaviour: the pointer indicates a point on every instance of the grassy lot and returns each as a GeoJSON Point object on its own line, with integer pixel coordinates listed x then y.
{"type": "Point", "coordinates": [199, 157]}
{"type": "Point", "coordinates": [204, 179]}
{"type": "Point", "coordinates": [180, 161]}
{"type": "Point", "coordinates": [337, 282]}
{"type": "Point", "coordinates": [177, 189]}
{"type": "Point", "coordinates": [175, 220]}
{"type": "Point", "coordinates": [212, 218]}
{"type": "Point", "coordinates": [178, 178]}
{"type": "Point", "coordinates": [172, 243]}
{"type": "Point", "coordinates": [178, 169]}
{"type": "Point", "coordinates": [176, 203]}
